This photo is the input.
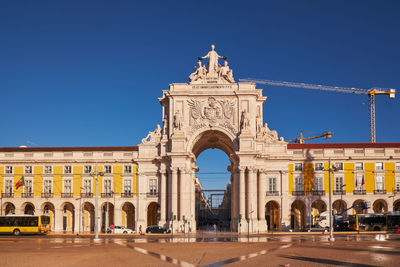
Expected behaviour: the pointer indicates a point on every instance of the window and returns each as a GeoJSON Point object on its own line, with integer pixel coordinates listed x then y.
{"type": "Point", "coordinates": [8, 186]}
{"type": "Point", "coordinates": [319, 166]}
{"type": "Point", "coordinates": [107, 186]}
{"type": "Point", "coordinates": [397, 168]}
{"type": "Point", "coordinates": [68, 186]}
{"type": "Point", "coordinates": [107, 169]}
{"type": "Point", "coordinates": [48, 169]}
{"type": "Point", "coordinates": [67, 169]}
{"type": "Point", "coordinates": [359, 166]}
{"type": "Point", "coordinates": [298, 166]}
{"type": "Point", "coordinates": [127, 186]}
{"type": "Point", "coordinates": [318, 184]}
{"type": "Point", "coordinates": [127, 169]}
{"type": "Point", "coordinates": [298, 184]}
{"type": "Point", "coordinates": [87, 169]}
{"type": "Point", "coordinates": [379, 183]}
{"type": "Point", "coordinates": [359, 182]}
{"type": "Point", "coordinates": [272, 185]}
{"type": "Point", "coordinates": [28, 186]}
{"type": "Point", "coordinates": [339, 166]}
{"type": "Point", "coordinates": [48, 186]}
{"type": "Point", "coordinates": [9, 169]}
{"type": "Point", "coordinates": [87, 185]}
{"type": "Point", "coordinates": [339, 184]}
{"type": "Point", "coordinates": [153, 186]}
{"type": "Point", "coordinates": [397, 183]}
{"type": "Point", "coordinates": [379, 166]}
{"type": "Point", "coordinates": [28, 169]}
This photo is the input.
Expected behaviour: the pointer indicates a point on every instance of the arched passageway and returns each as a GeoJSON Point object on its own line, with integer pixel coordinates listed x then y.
{"type": "Point", "coordinates": [298, 215]}
{"type": "Point", "coordinates": [318, 207]}
{"type": "Point", "coordinates": [339, 206]}
{"type": "Point", "coordinates": [396, 205]}
{"type": "Point", "coordinates": [9, 208]}
{"type": "Point", "coordinates": [380, 206]}
{"type": "Point", "coordinates": [68, 210]}
{"type": "Point", "coordinates": [153, 214]}
{"type": "Point", "coordinates": [128, 215]}
{"type": "Point", "coordinates": [272, 215]}
{"type": "Point", "coordinates": [357, 209]}
{"type": "Point", "coordinates": [28, 208]}
{"type": "Point", "coordinates": [107, 215]}
{"type": "Point", "coordinates": [48, 209]}
{"type": "Point", "coordinates": [88, 217]}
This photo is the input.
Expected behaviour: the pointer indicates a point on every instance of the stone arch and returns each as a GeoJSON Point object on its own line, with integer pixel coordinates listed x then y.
{"type": "Point", "coordinates": [318, 206]}
{"type": "Point", "coordinates": [68, 211]}
{"type": "Point", "coordinates": [298, 215]}
{"type": "Point", "coordinates": [153, 213]}
{"type": "Point", "coordinates": [47, 208]}
{"type": "Point", "coordinates": [128, 215]}
{"type": "Point", "coordinates": [9, 208]}
{"type": "Point", "coordinates": [28, 208]}
{"type": "Point", "coordinates": [107, 215]}
{"type": "Point", "coordinates": [396, 205]}
{"type": "Point", "coordinates": [215, 138]}
{"type": "Point", "coordinates": [380, 206]}
{"type": "Point", "coordinates": [339, 205]}
{"type": "Point", "coordinates": [272, 215]}
{"type": "Point", "coordinates": [357, 207]}
{"type": "Point", "coordinates": [88, 217]}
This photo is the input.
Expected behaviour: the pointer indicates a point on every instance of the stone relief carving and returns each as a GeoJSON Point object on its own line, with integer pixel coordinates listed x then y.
{"type": "Point", "coordinates": [211, 114]}
{"type": "Point", "coordinates": [270, 136]}
{"type": "Point", "coordinates": [214, 72]}
{"type": "Point", "coordinates": [153, 137]}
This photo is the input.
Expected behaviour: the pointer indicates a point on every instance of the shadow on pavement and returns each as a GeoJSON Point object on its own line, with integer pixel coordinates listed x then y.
{"type": "Point", "coordinates": [326, 261]}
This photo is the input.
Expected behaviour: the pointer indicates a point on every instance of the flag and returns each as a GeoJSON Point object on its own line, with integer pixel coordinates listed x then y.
{"type": "Point", "coordinates": [362, 183]}
{"type": "Point", "coordinates": [356, 182]}
{"type": "Point", "coordinates": [20, 183]}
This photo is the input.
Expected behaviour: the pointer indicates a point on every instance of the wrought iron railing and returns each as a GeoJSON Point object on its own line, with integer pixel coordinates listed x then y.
{"type": "Point", "coordinates": [27, 194]}
{"type": "Point", "coordinates": [359, 192]}
{"type": "Point", "coordinates": [272, 193]}
{"type": "Point", "coordinates": [47, 195]}
{"type": "Point", "coordinates": [66, 195]}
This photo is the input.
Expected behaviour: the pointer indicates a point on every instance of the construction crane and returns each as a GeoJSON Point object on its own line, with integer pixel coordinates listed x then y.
{"type": "Point", "coordinates": [302, 139]}
{"type": "Point", "coordinates": [370, 92]}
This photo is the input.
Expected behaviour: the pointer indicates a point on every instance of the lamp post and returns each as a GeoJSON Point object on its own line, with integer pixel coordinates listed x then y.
{"type": "Point", "coordinates": [341, 197]}
{"type": "Point", "coordinates": [331, 238]}
{"type": "Point", "coordinates": [96, 203]}
{"type": "Point", "coordinates": [80, 221]}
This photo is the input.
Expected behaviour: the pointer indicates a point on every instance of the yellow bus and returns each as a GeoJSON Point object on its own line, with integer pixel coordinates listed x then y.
{"type": "Point", "coordinates": [24, 224]}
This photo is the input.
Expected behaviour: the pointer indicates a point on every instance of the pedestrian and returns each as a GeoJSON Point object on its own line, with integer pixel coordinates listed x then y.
{"type": "Point", "coordinates": [140, 230]}
{"type": "Point", "coordinates": [112, 228]}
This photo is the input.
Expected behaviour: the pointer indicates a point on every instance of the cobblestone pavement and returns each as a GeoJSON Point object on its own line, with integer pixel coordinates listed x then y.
{"type": "Point", "coordinates": [202, 250]}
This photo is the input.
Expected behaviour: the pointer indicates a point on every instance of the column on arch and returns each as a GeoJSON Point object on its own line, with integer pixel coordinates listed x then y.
{"type": "Point", "coordinates": [163, 196]}
{"type": "Point", "coordinates": [242, 197]}
{"type": "Point", "coordinates": [261, 195]}
{"type": "Point", "coordinates": [252, 196]}
{"type": "Point", "coordinates": [174, 191]}
{"type": "Point", "coordinates": [183, 194]}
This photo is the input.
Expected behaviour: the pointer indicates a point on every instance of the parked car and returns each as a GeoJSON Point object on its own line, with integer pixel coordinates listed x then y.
{"type": "Point", "coordinates": [120, 230]}
{"type": "Point", "coordinates": [157, 229]}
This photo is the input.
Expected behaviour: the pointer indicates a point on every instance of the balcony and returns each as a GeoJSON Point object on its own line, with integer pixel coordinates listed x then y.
{"type": "Point", "coordinates": [66, 195]}
{"type": "Point", "coordinates": [319, 193]}
{"type": "Point", "coordinates": [339, 192]}
{"type": "Point", "coordinates": [106, 195]}
{"type": "Point", "coordinates": [152, 194]}
{"type": "Point", "coordinates": [298, 193]}
{"type": "Point", "coordinates": [47, 195]}
{"type": "Point", "coordinates": [359, 192]}
{"type": "Point", "coordinates": [27, 194]}
{"type": "Point", "coordinates": [380, 191]}
{"type": "Point", "coordinates": [86, 195]}
{"type": "Point", "coordinates": [127, 194]}
{"type": "Point", "coordinates": [5, 195]}
{"type": "Point", "coordinates": [272, 193]}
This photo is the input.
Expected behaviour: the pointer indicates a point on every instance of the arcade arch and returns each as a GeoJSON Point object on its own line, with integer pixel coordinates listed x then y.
{"type": "Point", "coordinates": [9, 208]}
{"type": "Point", "coordinates": [28, 208]}
{"type": "Point", "coordinates": [128, 215]}
{"type": "Point", "coordinates": [107, 215]}
{"type": "Point", "coordinates": [318, 207]}
{"type": "Point", "coordinates": [380, 206]}
{"type": "Point", "coordinates": [48, 209]}
{"type": "Point", "coordinates": [88, 217]}
{"type": "Point", "coordinates": [339, 206]}
{"type": "Point", "coordinates": [396, 205]}
{"type": "Point", "coordinates": [272, 215]}
{"type": "Point", "coordinates": [153, 214]}
{"type": "Point", "coordinates": [357, 207]}
{"type": "Point", "coordinates": [69, 221]}
{"type": "Point", "coordinates": [298, 213]}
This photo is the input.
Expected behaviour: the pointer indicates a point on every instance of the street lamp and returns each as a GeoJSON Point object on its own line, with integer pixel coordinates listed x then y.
{"type": "Point", "coordinates": [96, 202]}
{"type": "Point", "coordinates": [330, 169]}
{"type": "Point", "coordinates": [341, 197]}
{"type": "Point", "coordinates": [80, 210]}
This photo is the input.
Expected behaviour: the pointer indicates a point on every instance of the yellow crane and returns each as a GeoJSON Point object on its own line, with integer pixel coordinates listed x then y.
{"type": "Point", "coordinates": [370, 92]}
{"type": "Point", "coordinates": [302, 139]}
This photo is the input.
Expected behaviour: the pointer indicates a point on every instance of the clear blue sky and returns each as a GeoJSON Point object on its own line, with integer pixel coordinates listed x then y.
{"type": "Point", "coordinates": [88, 73]}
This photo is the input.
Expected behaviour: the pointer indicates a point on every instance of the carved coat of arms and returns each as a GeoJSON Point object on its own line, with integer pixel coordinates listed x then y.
{"type": "Point", "coordinates": [212, 113]}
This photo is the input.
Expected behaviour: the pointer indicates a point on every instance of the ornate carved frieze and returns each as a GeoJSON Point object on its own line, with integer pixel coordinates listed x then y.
{"type": "Point", "coordinates": [211, 113]}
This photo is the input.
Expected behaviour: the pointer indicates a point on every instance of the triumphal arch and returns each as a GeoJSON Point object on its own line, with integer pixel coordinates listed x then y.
{"type": "Point", "coordinates": [212, 111]}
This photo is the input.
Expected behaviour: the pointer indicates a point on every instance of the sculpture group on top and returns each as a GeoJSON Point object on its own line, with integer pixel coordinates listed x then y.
{"type": "Point", "coordinates": [213, 71]}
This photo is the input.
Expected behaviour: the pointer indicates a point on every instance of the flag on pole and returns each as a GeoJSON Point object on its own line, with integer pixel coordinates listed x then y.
{"type": "Point", "coordinates": [20, 183]}
{"type": "Point", "coordinates": [356, 182]}
{"type": "Point", "coordinates": [362, 183]}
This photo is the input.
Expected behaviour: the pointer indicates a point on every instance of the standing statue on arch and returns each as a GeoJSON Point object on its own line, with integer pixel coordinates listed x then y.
{"type": "Point", "coordinates": [213, 66]}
